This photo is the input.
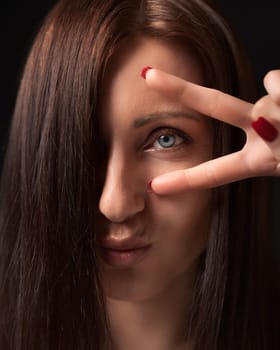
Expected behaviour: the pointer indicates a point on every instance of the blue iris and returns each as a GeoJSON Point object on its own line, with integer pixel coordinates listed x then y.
{"type": "Point", "coordinates": [166, 141]}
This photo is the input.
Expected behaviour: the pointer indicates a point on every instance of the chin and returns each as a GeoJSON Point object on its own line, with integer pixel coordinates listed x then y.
{"type": "Point", "coordinates": [134, 287]}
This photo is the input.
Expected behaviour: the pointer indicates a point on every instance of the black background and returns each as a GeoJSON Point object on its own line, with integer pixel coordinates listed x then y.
{"type": "Point", "coordinates": [256, 22]}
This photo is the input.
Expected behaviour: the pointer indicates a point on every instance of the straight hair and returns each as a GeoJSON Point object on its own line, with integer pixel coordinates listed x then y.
{"type": "Point", "coordinates": [51, 296]}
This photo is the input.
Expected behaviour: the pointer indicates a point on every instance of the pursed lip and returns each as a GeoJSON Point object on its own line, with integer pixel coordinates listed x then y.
{"type": "Point", "coordinates": [123, 253]}
{"type": "Point", "coordinates": [123, 244]}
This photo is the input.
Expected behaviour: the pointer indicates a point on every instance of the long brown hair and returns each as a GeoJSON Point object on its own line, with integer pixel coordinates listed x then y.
{"type": "Point", "coordinates": [50, 294]}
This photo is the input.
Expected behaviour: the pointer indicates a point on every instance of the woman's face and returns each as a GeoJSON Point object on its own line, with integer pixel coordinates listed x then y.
{"type": "Point", "coordinates": [150, 243]}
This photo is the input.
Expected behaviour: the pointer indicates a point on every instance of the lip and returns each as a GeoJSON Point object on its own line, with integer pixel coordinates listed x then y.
{"type": "Point", "coordinates": [124, 256]}
{"type": "Point", "coordinates": [127, 241]}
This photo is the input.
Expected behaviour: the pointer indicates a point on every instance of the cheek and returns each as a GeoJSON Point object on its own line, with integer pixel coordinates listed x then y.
{"type": "Point", "coordinates": [183, 218]}
{"type": "Point", "coordinates": [181, 229]}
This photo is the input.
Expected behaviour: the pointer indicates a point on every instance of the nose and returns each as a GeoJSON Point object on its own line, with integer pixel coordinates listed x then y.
{"type": "Point", "coordinates": [122, 196]}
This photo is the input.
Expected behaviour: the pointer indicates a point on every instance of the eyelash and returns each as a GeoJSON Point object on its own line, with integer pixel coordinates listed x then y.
{"type": "Point", "coordinates": [165, 131]}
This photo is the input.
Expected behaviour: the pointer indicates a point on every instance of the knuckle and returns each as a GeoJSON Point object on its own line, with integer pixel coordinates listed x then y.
{"type": "Point", "coordinates": [269, 75]}
{"type": "Point", "coordinates": [274, 73]}
{"type": "Point", "coordinates": [260, 106]}
{"type": "Point", "coordinates": [211, 175]}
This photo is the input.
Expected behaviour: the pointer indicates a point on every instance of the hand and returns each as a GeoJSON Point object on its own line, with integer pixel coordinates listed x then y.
{"type": "Point", "coordinates": [259, 157]}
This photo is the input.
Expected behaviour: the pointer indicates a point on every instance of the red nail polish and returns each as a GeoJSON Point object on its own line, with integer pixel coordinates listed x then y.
{"type": "Point", "coordinates": [265, 129]}
{"type": "Point", "coordinates": [149, 187]}
{"type": "Point", "coordinates": [144, 71]}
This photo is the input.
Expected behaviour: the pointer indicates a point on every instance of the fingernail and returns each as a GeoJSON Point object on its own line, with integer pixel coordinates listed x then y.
{"type": "Point", "coordinates": [149, 187]}
{"type": "Point", "coordinates": [265, 129]}
{"type": "Point", "coordinates": [144, 71]}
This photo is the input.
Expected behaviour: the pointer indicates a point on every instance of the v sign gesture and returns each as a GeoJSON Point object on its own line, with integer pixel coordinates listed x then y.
{"type": "Point", "coordinates": [261, 122]}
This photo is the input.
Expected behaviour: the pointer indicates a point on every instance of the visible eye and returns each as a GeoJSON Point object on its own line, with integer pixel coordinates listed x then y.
{"type": "Point", "coordinates": [166, 138]}
{"type": "Point", "coordinates": [167, 141]}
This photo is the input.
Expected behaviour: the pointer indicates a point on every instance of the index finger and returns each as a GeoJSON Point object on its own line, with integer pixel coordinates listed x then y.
{"type": "Point", "coordinates": [210, 102]}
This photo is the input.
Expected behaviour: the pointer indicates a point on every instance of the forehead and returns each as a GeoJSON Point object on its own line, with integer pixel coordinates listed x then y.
{"type": "Point", "coordinates": [125, 92]}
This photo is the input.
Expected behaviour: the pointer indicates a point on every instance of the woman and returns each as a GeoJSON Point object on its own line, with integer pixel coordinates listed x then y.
{"type": "Point", "coordinates": [97, 250]}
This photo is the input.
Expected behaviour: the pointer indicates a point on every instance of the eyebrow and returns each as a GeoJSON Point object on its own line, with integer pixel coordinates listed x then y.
{"type": "Point", "coordinates": [143, 120]}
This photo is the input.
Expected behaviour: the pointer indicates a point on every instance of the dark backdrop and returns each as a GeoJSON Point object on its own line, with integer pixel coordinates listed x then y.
{"type": "Point", "coordinates": [255, 21]}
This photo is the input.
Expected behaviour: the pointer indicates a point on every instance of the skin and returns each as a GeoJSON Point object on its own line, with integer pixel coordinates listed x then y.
{"type": "Point", "coordinates": [148, 301]}
{"type": "Point", "coordinates": [257, 158]}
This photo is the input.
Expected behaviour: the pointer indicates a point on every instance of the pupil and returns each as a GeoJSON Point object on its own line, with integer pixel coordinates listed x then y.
{"type": "Point", "coordinates": [167, 140]}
